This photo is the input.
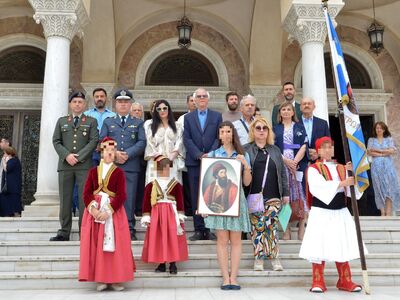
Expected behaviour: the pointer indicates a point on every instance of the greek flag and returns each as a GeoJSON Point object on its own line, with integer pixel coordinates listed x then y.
{"type": "Point", "coordinates": [354, 133]}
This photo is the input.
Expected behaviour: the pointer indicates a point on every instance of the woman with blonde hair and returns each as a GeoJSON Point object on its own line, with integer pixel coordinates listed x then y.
{"type": "Point", "coordinates": [269, 179]}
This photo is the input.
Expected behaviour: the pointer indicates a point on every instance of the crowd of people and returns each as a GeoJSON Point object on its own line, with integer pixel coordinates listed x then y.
{"type": "Point", "coordinates": [123, 166]}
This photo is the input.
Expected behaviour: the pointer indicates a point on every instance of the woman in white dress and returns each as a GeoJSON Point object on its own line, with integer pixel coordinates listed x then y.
{"type": "Point", "coordinates": [164, 137]}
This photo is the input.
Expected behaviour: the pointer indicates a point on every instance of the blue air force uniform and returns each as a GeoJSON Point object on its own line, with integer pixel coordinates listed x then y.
{"type": "Point", "coordinates": [130, 138]}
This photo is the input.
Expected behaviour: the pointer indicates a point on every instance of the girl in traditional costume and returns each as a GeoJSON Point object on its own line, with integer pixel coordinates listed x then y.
{"type": "Point", "coordinates": [163, 215]}
{"type": "Point", "coordinates": [331, 233]}
{"type": "Point", "coordinates": [105, 251]}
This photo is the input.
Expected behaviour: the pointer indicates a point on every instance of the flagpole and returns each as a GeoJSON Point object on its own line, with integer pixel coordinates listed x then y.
{"type": "Point", "coordinates": [350, 173]}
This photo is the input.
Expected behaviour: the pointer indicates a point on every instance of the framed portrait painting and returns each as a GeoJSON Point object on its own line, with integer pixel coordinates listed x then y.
{"type": "Point", "coordinates": [219, 190]}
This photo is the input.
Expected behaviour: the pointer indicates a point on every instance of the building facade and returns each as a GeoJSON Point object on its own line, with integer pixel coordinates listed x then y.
{"type": "Point", "coordinates": [48, 48]}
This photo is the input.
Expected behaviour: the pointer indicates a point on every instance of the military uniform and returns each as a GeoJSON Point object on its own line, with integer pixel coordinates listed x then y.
{"type": "Point", "coordinates": [131, 139]}
{"type": "Point", "coordinates": [80, 139]}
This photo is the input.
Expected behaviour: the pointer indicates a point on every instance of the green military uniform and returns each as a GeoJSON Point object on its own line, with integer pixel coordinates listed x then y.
{"type": "Point", "coordinates": [80, 139]}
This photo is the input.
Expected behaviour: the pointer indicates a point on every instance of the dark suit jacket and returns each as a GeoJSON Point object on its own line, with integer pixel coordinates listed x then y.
{"type": "Point", "coordinates": [130, 138]}
{"type": "Point", "coordinates": [275, 113]}
{"type": "Point", "coordinates": [320, 128]}
{"type": "Point", "coordinates": [299, 137]}
{"type": "Point", "coordinates": [197, 141]}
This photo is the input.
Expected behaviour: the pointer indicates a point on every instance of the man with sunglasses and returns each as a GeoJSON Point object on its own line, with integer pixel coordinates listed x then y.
{"type": "Point", "coordinates": [129, 134]}
{"type": "Point", "coordinates": [199, 138]}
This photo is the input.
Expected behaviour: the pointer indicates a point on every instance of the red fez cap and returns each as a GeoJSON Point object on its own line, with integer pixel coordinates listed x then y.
{"type": "Point", "coordinates": [319, 142]}
{"type": "Point", "coordinates": [107, 141]}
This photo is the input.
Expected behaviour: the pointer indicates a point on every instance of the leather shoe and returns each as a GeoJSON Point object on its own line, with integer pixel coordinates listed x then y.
{"type": "Point", "coordinates": [209, 236]}
{"type": "Point", "coordinates": [235, 287]}
{"type": "Point", "coordinates": [198, 235]}
{"type": "Point", "coordinates": [173, 269]}
{"type": "Point", "coordinates": [226, 287]}
{"type": "Point", "coordinates": [161, 268]}
{"type": "Point", "coordinates": [133, 236]}
{"type": "Point", "coordinates": [59, 238]}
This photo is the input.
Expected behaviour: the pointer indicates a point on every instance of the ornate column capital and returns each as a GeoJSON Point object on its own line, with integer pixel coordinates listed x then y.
{"type": "Point", "coordinates": [305, 20]}
{"type": "Point", "coordinates": [63, 18]}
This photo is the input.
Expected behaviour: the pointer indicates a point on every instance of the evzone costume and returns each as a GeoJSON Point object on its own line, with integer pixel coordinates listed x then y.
{"type": "Point", "coordinates": [330, 234]}
{"type": "Point", "coordinates": [163, 214]}
{"type": "Point", "coordinates": [105, 249]}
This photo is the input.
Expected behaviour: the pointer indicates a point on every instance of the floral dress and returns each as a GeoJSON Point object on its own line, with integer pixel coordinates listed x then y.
{"type": "Point", "coordinates": [241, 223]}
{"type": "Point", "coordinates": [295, 187]}
{"type": "Point", "coordinates": [383, 173]}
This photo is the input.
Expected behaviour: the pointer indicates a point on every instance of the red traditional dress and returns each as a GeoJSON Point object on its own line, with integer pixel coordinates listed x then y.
{"type": "Point", "coordinates": [330, 234]}
{"type": "Point", "coordinates": [106, 254]}
{"type": "Point", "coordinates": [165, 239]}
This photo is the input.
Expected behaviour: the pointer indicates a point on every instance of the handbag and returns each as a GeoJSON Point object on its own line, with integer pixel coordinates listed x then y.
{"type": "Point", "coordinates": [297, 207]}
{"type": "Point", "coordinates": [255, 202]}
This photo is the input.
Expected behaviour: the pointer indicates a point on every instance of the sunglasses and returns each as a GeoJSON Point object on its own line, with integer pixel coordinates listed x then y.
{"type": "Point", "coordinates": [165, 108]}
{"type": "Point", "coordinates": [201, 96]}
{"type": "Point", "coordinates": [263, 128]}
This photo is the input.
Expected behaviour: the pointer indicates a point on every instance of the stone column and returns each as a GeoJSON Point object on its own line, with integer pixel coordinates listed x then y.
{"type": "Point", "coordinates": [61, 21]}
{"type": "Point", "coordinates": [306, 23]}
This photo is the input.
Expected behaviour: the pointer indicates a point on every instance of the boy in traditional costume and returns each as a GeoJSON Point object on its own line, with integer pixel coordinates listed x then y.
{"type": "Point", "coordinates": [331, 233]}
{"type": "Point", "coordinates": [105, 251]}
{"type": "Point", "coordinates": [163, 215]}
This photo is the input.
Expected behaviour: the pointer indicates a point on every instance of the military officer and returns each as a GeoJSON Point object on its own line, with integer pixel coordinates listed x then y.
{"type": "Point", "coordinates": [129, 134]}
{"type": "Point", "coordinates": [74, 139]}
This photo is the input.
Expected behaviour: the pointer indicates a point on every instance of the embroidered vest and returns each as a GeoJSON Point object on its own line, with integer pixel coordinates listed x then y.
{"type": "Point", "coordinates": [339, 201]}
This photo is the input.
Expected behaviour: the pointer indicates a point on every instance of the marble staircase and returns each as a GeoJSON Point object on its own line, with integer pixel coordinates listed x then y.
{"type": "Point", "coordinates": [29, 261]}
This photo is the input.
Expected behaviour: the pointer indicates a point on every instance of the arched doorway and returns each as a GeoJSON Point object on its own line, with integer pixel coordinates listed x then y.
{"type": "Point", "coordinates": [357, 73]}
{"type": "Point", "coordinates": [19, 66]}
{"type": "Point", "coordinates": [22, 64]}
{"type": "Point", "coordinates": [181, 68]}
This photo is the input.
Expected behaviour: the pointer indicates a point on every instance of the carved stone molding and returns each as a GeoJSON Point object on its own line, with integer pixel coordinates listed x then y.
{"type": "Point", "coordinates": [176, 95]}
{"type": "Point", "coordinates": [265, 95]}
{"type": "Point", "coordinates": [306, 22]}
{"type": "Point", "coordinates": [14, 96]}
{"type": "Point", "coordinates": [63, 18]}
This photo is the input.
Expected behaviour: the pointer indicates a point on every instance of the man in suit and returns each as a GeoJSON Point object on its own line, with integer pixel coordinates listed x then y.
{"type": "Point", "coordinates": [74, 139]}
{"type": "Point", "coordinates": [289, 93]}
{"type": "Point", "coordinates": [315, 127]}
{"type": "Point", "coordinates": [199, 137]}
{"type": "Point", "coordinates": [129, 134]}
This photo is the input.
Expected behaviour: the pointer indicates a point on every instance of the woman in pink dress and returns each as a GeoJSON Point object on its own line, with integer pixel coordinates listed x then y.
{"type": "Point", "coordinates": [105, 252]}
{"type": "Point", "coordinates": [163, 215]}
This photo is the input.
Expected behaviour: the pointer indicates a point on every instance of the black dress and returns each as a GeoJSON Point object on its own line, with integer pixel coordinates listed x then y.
{"type": "Point", "coordinates": [10, 200]}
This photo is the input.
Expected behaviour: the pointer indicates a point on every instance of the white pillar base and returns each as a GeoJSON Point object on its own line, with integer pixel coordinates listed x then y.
{"type": "Point", "coordinates": [47, 204]}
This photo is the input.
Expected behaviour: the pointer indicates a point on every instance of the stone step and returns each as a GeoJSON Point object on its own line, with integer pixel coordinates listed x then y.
{"type": "Point", "coordinates": [48, 263]}
{"type": "Point", "coordinates": [22, 248]}
{"type": "Point", "coordinates": [192, 278]}
{"type": "Point", "coordinates": [53, 222]}
{"type": "Point", "coordinates": [43, 234]}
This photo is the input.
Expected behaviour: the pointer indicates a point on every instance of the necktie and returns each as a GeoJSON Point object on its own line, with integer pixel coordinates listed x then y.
{"type": "Point", "coordinates": [76, 119]}
{"type": "Point", "coordinates": [123, 121]}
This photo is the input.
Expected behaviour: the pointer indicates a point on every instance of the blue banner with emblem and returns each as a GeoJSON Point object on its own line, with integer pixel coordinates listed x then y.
{"type": "Point", "coordinates": [354, 133]}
